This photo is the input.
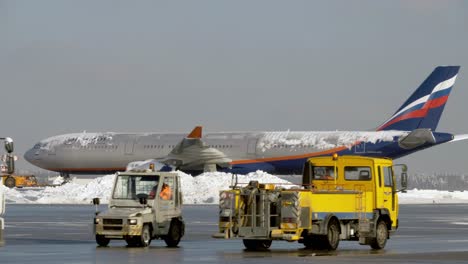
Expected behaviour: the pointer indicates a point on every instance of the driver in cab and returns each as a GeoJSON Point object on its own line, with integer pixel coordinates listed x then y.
{"type": "Point", "coordinates": [166, 192]}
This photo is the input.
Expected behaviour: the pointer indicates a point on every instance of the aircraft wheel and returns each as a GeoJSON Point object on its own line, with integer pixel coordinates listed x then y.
{"type": "Point", "coordinates": [10, 182]}
{"type": "Point", "coordinates": [381, 236]}
{"type": "Point", "coordinates": [102, 241]}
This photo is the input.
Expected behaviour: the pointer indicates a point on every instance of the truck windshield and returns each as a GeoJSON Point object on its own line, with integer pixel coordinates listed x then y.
{"type": "Point", "coordinates": [132, 186]}
{"type": "Point", "coordinates": [323, 173]}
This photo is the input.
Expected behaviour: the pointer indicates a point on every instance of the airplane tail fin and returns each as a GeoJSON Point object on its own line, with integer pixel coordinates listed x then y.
{"type": "Point", "coordinates": [196, 132]}
{"type": "Point", "coordinates": [425, 106]}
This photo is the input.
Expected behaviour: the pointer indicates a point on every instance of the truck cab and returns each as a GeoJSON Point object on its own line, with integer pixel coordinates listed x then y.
{"type": "Point", "coordinates": [372, 177]}
{"type": "Point", "coordinates": [144, 205]}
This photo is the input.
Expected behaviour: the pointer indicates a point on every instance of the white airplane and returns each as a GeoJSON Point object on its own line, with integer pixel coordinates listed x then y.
{"type": "Point", "coordinates": [411, 128]}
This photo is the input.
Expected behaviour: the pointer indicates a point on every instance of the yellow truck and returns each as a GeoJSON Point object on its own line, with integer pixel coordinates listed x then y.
{"type": "Point", "coordinates": [341, 198]}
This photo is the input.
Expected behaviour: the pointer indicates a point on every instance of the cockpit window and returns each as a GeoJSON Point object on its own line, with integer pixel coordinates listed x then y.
{"type": "Point", "coordinates": [129, 187]}
{"type": "Point", "coordinates": [39, 145]}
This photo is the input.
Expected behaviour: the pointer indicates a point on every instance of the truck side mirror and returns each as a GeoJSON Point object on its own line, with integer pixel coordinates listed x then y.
{"type": "Point", "coordinates": [404, 182]}
{"type": "Point", "coordinates": [96, 202]}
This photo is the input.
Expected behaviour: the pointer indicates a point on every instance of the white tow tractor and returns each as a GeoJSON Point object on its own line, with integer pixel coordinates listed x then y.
{"type": "Point", "coordinates": [144, 205]}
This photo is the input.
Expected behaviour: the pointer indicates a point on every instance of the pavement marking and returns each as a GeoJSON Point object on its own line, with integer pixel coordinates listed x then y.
{"type": "Point", "coordinates": [459, 223]}
{"type": "Point", "coordinates": [19, 235]}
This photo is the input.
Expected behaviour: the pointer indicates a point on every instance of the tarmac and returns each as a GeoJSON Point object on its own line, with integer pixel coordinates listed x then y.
{"type": "Point", "coordinates": [64, 234]}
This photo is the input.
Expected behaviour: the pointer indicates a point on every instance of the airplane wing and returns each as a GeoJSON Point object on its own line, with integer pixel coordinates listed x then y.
{"type": "Point", "coordinates": [416, 138]}
{"type": "Point", "coordinates": [193, 154]}
{"type": "Point", "coordinates": [459, 137]}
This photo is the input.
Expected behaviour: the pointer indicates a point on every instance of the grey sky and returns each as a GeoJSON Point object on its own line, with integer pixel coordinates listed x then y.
{"type": "Point", "coordinates": [139, 66]}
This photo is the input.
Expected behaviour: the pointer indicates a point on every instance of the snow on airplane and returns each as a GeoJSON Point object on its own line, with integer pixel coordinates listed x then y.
{"type": "Point", "coordinates": [410, 129]}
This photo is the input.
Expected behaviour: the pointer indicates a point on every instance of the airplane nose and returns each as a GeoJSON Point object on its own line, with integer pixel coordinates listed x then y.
{"type": "Point", "coordinates": [28, 155]}
{"type": "Point", "coordinates": [32, 155]}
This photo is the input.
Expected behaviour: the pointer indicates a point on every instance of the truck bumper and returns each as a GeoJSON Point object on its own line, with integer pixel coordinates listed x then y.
{"type": "Point", "coordinates": [253, 233]}
{"type": "Point", "coordinates": [285, 235]}
{"type": "Point", "coordinates": [115, 232]}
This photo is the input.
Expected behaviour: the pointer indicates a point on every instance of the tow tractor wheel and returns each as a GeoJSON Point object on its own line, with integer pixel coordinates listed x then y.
{"type": "Point", "coordinates": [132, 241]}
{"type": "Point", "coordinates": [10, 182]}
{"type": "Point", "coordinates": [145, 239]}
{"type": "Point", "coordinates": [176, 231]}
{"type": "Point", "coordinates": [256, 244]}
{"type": "Point", "coordinates": [102, 241]}
{"type": "Point", "coordinates": [332, 239]}
{"type": "Point", "coordinates": [381, 236]}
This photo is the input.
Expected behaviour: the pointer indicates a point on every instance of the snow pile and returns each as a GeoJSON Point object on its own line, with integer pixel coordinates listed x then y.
{"type": "Point", "coordinates": [416, 196]}
{"type": "Point", "coordinates": [203, 189]}
{"type": "Point", "coordinates": [58, 180]}
{"type": "Point", "coordinates": [325, 139]}
{"type": "Point", "coordinates": [69, 193]}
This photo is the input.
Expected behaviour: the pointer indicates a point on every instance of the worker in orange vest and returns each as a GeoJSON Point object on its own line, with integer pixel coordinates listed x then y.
{"type": "Point", "coordinates": [166, 192]}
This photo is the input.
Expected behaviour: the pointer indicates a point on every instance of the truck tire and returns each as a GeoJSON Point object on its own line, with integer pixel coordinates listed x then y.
{"type": "Point", "coordinates": [381, 235]}
{"type": "Point", "coordinates": [102, 241]}
{"type": "Point", "coordinates": [176, 231]}
{"type": "Point", "coordinates": [145, 239]}
{"type": "Point", "coordinates": [332, 239]}
{"type": "Point", "coordinates": [10, 182]}
{"type": "Point", "coordinates": [313, 242]}
{"type": "Point", "coordinates": [256, 244]}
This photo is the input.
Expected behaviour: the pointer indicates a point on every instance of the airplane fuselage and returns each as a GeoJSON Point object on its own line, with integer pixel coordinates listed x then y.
{"type": "Point", "coordinates": [273, 152]}
{"type": "Point", "coordinates": [409, 129]}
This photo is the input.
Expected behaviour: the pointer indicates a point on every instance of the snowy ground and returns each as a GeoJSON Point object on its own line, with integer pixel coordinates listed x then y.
{"type": "Point", "coordinates": [203, 189]}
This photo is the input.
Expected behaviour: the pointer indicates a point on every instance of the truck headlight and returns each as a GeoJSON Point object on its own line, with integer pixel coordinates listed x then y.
{"type": "Point", "coordinates": [96, 221]}
{"type": "Point", "coordinates": [132, 221]}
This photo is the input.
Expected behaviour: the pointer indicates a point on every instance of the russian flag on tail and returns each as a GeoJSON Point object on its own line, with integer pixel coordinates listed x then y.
{"type": "Point", "coordinates": [425, 106]}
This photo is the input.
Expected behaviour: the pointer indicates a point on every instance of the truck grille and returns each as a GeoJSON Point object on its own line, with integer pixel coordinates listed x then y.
{"type": "Point", "coordinates": [113, 228]}
{"type": "Point", "coordinates": [112, 221]}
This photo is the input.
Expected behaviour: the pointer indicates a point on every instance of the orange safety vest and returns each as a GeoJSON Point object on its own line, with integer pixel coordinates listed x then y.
{"type": "Point", "coordinates": [166, 193]}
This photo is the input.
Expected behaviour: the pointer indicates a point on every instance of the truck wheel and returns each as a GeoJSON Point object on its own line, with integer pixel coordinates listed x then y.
{"type": "Point", "coordinates": [10, 182]}
{"type": "Point", "coordinates": [313, 242]}
{"type": "Point", "coordinates": [102, 241]}
{"type": "Point", "coordinates": [381, 235]}
{"type": "Point", "coordinates": [332, 239]}
{"type": "Point", "coordinates": [175, 234]}
{"type": "Point", "coordinates": [256, 245]}
{"type": "Point", "coordinates": [145, 238]}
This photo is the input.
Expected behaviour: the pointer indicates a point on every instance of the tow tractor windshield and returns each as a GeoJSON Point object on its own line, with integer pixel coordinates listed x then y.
{"type": "Point", "coordinates": [130, 187]}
